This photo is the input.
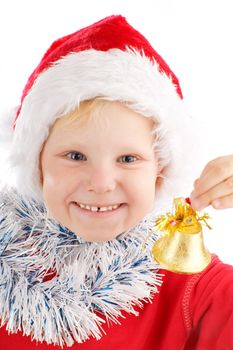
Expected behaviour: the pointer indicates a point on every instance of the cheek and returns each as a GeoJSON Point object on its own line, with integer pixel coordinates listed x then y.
{"type": "Point", "coordinates": [51, 193]}
{"type": "Point", "coordinates": [55, 194]}
{"type": "Point", "coordinates": [142, 188]}
{"type": "Point", "coordinates": [54, 185]}
{"type": "Point", "coordinates": [141, 201]}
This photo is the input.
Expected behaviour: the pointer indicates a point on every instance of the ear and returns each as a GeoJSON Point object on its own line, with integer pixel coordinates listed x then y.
{"type": "Point", "coordinates": [159, 182]}
{"type": "Point", "coordinates": [41, 176]}
{"type": "Point", "coordinates": [160, 178]}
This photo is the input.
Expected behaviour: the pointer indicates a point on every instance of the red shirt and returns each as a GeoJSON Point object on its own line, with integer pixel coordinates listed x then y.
{"type": "Point", "coordinates": [190, 312]}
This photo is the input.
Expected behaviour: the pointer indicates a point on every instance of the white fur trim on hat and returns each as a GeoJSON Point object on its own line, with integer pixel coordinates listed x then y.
{"type": "Point", "coordinates": [115, 75]}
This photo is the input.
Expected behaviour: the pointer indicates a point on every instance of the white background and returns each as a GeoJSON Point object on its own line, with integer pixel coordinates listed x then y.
{"type": "Point", "coordinates": [193, 36]}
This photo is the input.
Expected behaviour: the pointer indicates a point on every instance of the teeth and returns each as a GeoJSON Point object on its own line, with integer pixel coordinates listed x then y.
{"type": "Point", "coordinates": [88, 207]}
{"type": "Point", "coordinates": [94, 208]}
{"type": "Point", "coordinates": [103, 208]}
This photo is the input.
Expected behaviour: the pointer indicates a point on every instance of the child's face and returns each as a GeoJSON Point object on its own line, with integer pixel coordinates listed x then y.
{"type": "Point", "coordinates": [107, 163]}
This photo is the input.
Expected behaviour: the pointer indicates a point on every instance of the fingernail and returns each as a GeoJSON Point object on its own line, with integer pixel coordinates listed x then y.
{"type": "Point", "coordinates": [216, 204]}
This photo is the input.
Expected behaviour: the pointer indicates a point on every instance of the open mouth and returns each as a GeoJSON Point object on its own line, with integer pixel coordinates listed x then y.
{"type": "Point", "coordinates": [93, 208]}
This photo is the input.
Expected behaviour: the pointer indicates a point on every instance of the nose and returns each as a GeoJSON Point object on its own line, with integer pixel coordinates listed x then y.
{"type": "Point", "coordinates": [101, 180]}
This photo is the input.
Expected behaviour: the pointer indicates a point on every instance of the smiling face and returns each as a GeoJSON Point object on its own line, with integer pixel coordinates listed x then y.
{"type": "Point", "coordinates": [99, 176]}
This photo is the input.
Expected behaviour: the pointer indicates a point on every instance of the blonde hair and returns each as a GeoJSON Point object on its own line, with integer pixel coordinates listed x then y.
{"type": "Point", "coordinates": [88, 110]}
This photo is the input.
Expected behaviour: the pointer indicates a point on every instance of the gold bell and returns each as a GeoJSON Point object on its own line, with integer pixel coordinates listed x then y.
{"type": "Point", "coordinates": [181, 248]}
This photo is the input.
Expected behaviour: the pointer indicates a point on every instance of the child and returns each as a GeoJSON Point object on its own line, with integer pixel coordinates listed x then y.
{"type": "Point", "coordinates": [96, 140]}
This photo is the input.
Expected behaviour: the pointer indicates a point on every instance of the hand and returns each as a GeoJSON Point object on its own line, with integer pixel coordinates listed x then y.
{"type": "Point", "coordinates": [215, 185]}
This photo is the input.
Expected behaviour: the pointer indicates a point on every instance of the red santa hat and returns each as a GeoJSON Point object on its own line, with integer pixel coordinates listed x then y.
{"type": "Point", "coordinates": [108, 59]}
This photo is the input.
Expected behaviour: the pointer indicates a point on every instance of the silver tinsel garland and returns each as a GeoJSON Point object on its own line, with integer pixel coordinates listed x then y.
{"type": "Point", "coordinates": [60, 289]}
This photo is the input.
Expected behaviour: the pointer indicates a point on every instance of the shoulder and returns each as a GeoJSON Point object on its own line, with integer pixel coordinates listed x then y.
{"type": "Point", "coordinates": [208, 305]}
{"type": "Point", "coordinates": [215, 280]}
{"type": "Point", "coordinates": [203, 294]}
{"type": "Point", "coordinates": [216, 275]}
{"type": "Point", "coordinates": [209, 287]}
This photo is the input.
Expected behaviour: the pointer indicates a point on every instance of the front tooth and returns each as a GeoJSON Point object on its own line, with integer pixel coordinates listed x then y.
{"type": "Point", "coordinates": [94, 208]}
{"type": "Point", "coordinates": [103, 209]}
{"type": "Point", "coordinates": [88, 207]}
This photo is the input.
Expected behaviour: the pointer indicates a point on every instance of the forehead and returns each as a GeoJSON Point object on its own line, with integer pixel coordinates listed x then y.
{"type": "Point", "coordinates": [110, 126]}
{"type": "Point", "coordinates": [101, 114]}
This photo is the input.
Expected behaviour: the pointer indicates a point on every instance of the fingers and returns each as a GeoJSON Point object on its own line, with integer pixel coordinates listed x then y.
{"type": "Point", "coordinates": [214, 173]}
{"type": "Point", "coordinates": [223, 202]}
{"type": "Point", "coordinates": [215, 185]}
{"type": "Point", "coordinates": [219, 196]}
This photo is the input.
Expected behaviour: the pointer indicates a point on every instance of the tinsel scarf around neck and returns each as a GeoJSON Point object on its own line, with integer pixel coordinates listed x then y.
{"type": "Point", "coordinates": [93, 282]}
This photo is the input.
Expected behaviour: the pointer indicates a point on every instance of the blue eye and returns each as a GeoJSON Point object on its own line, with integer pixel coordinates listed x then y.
{"type": "Point", "coordinates": [76, 156]}
{"type": "Point", "coordinates": [128, 159]}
